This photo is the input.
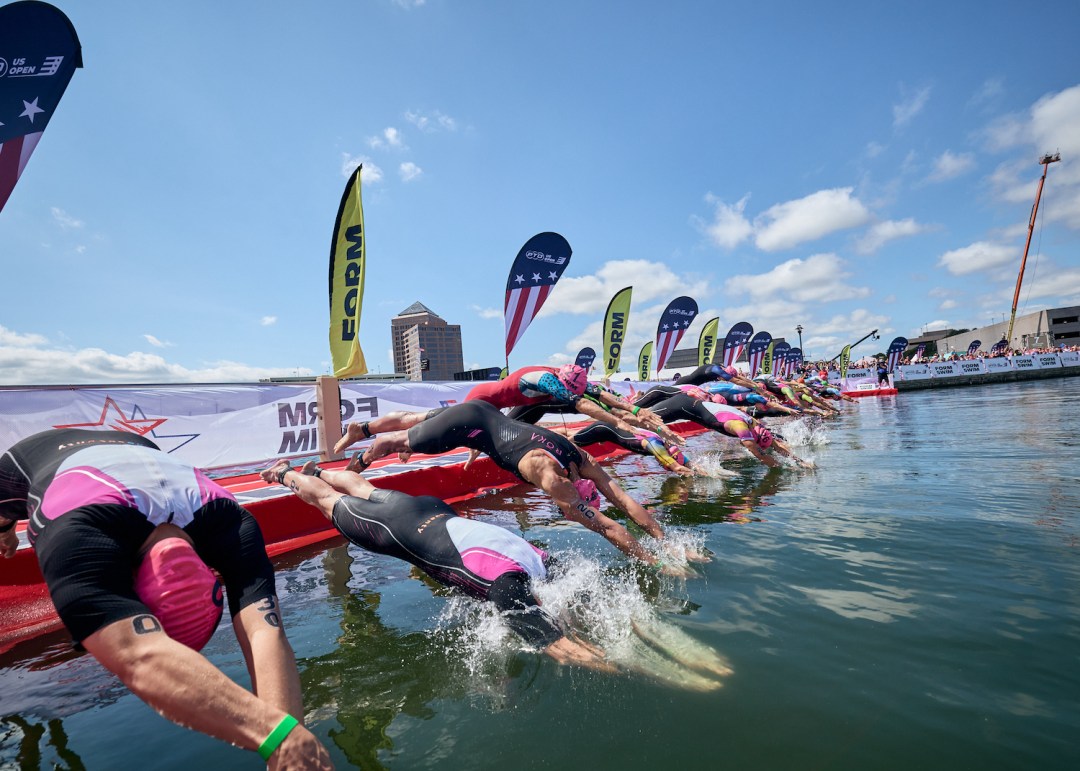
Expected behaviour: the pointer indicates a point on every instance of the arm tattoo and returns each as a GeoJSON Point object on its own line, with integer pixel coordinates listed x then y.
{"type": "Point", "coordinates": [269, 610]}
{"type": "Point", "coordinates": [145, 624]}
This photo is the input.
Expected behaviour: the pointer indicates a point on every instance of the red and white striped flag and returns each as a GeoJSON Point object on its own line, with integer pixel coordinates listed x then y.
{"type": "Point", "coordinates": [674, 321]}
{"type": "Point", "coordinates": [536, 269]}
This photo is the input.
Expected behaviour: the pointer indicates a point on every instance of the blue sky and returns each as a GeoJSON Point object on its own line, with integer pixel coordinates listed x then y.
{"type": "Point", "coordinates": [843, 166]}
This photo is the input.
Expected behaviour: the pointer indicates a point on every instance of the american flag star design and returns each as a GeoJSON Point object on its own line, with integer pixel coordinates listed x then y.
{"type": "Point", "coordinates": [544, 258]}
{"type": "Point", "coordinates": [674, 322]}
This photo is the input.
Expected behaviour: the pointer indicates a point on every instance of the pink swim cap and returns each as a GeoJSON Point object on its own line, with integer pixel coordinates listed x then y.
{"type": "Point", "coordinates": [586, 488]}
{"type": "Point", "coordinates": [695, 392]}
{"type": "Point", "coordinates": [573, 377]}
{"type": "Point", "coordinates": [762, 436]}
{"type": "Point", "coordinates": [678, 454]}
{"type": "Point", "coordinates": [731, 370]}
{"type": "Point", "coordinates": [181, 591]}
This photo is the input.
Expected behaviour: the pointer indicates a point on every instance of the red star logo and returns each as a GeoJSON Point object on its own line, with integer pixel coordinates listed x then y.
{"type": "Point", "coordinates": [142, 427]}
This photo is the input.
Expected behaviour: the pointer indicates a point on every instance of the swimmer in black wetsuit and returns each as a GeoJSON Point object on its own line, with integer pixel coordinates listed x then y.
{"type": "Point", "coordinates": [728, 421]}
{"type": "Point", "coordinates": [533, 454]}
{"type": "Point", "coordinates": [122, 532]}
{"type": "Point", "coordinates": [483, 560]}
{"type": "Point", "coordinates": [638, 442]}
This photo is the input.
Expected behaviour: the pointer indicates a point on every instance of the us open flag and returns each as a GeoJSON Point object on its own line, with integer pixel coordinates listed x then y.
{"type": "Point", "coordinates": [39, 52]}
{"type": "Point", "coordinates": [674, 322]}
{"type": "Point", "coordinates": [538, 266]}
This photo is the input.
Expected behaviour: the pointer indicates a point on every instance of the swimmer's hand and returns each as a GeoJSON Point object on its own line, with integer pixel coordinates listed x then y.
{"type": "Point", "coordinates": [579, 653]}
{"type": "Point", "coordinates": [300, 749]}
{"type": "Point", "coordinates": [9, 543]}
{"type": "Point", "coordinates": [693, 555]}
{"type": "Point", "coordinates": [677, 570]}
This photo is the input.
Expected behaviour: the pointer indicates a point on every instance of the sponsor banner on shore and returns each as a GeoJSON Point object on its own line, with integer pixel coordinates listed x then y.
{"type": "Point", "coordinates": [860, 372]}
{"type": "Point", "coordinates": [1070, 358]}
{"type": "Point", "coordinates": [834, 377]}
{"type": "Point", "coordinates": [210, 426]}
{"type": "Point", "coordinates": [1047, 360]}
{"type": "Point", "coordinates": [999, 364]}
{"type": "Point", "coordinates": [944, 368]}
{"type": "Point", "coordinates": [1021, 363]}
{"type": "Point", "coordinates": [860, 384]}
{"type": "Point", "coordinates": [970, 366]}
{"type": "Point", "coordinates": [914, 371]}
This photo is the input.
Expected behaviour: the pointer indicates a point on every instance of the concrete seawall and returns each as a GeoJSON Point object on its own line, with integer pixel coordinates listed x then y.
{"type": "Point", "coordinates": [986, 378]}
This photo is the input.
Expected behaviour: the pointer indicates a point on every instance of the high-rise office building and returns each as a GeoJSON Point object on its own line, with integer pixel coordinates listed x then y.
{"type": "Point", "coordinates": [425, 346]}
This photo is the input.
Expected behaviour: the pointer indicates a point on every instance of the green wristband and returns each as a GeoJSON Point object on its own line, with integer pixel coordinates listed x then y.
{"type": "Point", "coordinates": [277, 736]}
{"type": "Point", "coordinates": [635, 410]}
{"type": "Point", "coordinates": [656, 567]}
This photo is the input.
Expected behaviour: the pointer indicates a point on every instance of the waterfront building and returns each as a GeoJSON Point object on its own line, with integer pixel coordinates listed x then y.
{"type": "Point", "coordinates": [425, 346]}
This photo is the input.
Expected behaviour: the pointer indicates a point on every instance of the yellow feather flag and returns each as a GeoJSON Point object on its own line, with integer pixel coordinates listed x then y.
{"type": "Point", "coordinates": [644, 360]}
{"type": "Point", "coordinates": [615, 322]}
{"type": "Point", "coordinates": [706, 350]}
{"type": "Point", "coordinates": [766, 361]}
{"type": "Point", "coordinates": [347, 262]}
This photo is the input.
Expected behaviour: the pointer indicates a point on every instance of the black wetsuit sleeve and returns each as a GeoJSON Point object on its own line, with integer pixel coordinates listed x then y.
{"type": "Point", "coordinates": [511, 595]}
{"type": "Point", "coordinates": [14, 489]}
{"type": "Point", "coordinates": [655, 395]}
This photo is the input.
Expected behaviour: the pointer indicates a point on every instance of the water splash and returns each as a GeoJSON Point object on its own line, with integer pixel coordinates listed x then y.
{"type": "Point", "coordinates": [606, 608]}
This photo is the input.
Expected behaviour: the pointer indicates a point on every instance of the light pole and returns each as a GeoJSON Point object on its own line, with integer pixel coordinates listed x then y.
{"type": "Point", "coordinates": [798, 328]}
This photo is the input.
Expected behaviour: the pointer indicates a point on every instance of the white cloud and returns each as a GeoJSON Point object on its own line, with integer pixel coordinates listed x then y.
{"type": "Point", "coordinates": [432, 121]}
{"type": "Point", "coordinates": [981, 255]}
{"type": "Point", "coordinates": [910, 106]}
{"type": "Point", "coordinates": [817, 279]}
{"type": "Point", "coordinates": [268, 321]}
{"type": "Point", "coordinates": [930, 326]}
{"type": "Point", "coordinates": [65, 220]}
{"type": "Point", "coordinates": [9, 338]}
{"type": "Point", "coordinates": [882, 232]}
{"type": "Point", "coordinates": [874, 149]}
{"type": "Point", "coordinates": [1062, 284]}
{"type": "Point", "coordinates": [487, 313]}
{"type": "Point", "coordinates": [372, 173]}
{"type": "Point", "coordinates": [591, 294]}
{"type": "Point", "coordinates": [29, 359]}
{"type": "Point", "coordinates": [409, 171]}
{"type": "Point", "coordinates": [988, 92]}
{"type": "Point", "coordinates": [390, 137]}
{"type": "Point", "coordinates": [949, 165]}
{"type": "Point", "coordinates": [729, 226]}
{"type": "Point", "coordinates": [853, 325]}
{"type": "Point", "coordinates": [410, 4]}
{"type": "Point", "coordinates": [157, 343]}
{"type": "Point", "coordinates": [789, 224]}
{"type": "Point", "coordinates": [948, 305]}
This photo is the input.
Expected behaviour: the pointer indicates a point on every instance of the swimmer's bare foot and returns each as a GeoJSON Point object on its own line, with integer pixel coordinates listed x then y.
{"type": "Point", "coordinates": [357, 463]}
{"type": "Point", "coordinates": [311, 469]}
{"type": "Point", "coordinates": [473, 455]}
{"type": "Point", "coordinates": [354, 432]}
{"type": "Point", "coordinates": [276, 473]}
{"type": "Point", "coordinates": [404, 455]}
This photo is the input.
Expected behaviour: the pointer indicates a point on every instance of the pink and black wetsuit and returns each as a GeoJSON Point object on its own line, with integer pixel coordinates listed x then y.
{"type": "Point", "coordinates": [483, 560]}
{"type": "Point", "coordinates": [93, 497]}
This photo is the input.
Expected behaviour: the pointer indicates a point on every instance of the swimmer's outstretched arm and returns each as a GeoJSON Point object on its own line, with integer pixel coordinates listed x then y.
{"type": "Point", "coordinates": [579, 653]}
{"type": "Point", "coordinates": [187, 689]}
{"type": "Point", "coordinates": [618, 497]}
{"type": "Point", "coordinates": [757, 452]}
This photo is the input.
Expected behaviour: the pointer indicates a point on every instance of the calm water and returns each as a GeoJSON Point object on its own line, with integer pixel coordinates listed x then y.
{"type": "Point", "coordinates": [912, 603]}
